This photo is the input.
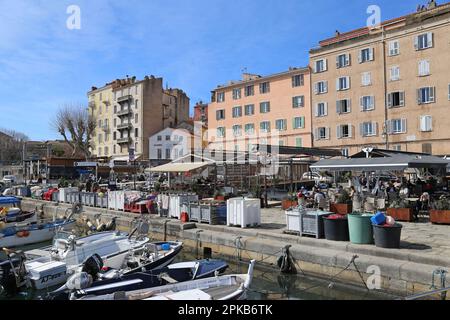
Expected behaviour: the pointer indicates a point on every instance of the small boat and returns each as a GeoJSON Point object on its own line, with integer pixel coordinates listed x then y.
{"type": "Point", "coordinates": [52, 265]}
{"type": "Point", "coordinates": [10, 213]}
{"type": "Point", "coordinates": [22, 234]}
{"type": "Point", "coordinates": [174, 273]}
{"type": "Point", "coordinates": [227, 287]}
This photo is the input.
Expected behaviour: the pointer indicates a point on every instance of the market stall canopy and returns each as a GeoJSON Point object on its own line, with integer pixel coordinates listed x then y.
{"type": "Point", "coordinates": [179, 167]}
{"type": "Point", "coordinates": [398, 162]}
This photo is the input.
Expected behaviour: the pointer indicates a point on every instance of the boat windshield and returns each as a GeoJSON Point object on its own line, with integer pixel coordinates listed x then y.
{"type": "Point", "coordinates": [64, 235]}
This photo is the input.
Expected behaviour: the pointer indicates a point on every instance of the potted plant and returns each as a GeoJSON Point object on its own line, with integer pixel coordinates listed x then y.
{"type": "Point", "coordinates": [218, 196]}
{"type": "Point", "coordinates": [289, 202]}
{"type": "Point", "coordinates": [401, 210]}
{"type": "Point", "coordinates": [441, 211]}
{"type": "Point", "coordinates": [343, 204]}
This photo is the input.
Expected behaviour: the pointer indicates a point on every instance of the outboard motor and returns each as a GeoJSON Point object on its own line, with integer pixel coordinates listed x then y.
{"type": "Point", "coordinates": [92, 266]}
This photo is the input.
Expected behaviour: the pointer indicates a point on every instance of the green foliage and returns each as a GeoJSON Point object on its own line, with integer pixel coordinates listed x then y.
{"type": "Point", "coordinates": [442, 204]}
{"type": "Point", "coordinates": [343, 197]}
{"type": "Point", "coordinates": [400, 204]}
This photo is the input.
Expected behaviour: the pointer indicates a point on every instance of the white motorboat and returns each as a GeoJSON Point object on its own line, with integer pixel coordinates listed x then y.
{"type": "Point", "coordinates": [22, 234]}
{"type": "Point", "coordinates": [51, 266]}
{"type": "Point", "coordinates": [11, 213]}
{"type": "Point", "coordinates": [227, 287]}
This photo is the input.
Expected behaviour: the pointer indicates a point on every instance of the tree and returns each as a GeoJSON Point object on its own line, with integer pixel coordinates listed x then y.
{"type": "Point", "coordinates": [11, 145]}
{"type": "Point", "coordinates": [76, 126]}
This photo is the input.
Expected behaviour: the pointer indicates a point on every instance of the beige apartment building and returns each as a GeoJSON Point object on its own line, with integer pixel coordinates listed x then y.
{"type": "Point", "coordinates": [128, 112]}
{"type": "Point", "coordinates": [274, 109]}
{"type": "Point", "coordinates": [385, 87]}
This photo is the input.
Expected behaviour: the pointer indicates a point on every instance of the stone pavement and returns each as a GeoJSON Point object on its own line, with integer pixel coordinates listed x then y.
{"type": "Point", "coordinates": [417, 238]}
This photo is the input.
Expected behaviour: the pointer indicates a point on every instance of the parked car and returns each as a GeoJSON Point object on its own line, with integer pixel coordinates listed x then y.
{"type": "Point", "coordinates": [317, 177]}
{"type": "Point", "coordinates": [9, 179]}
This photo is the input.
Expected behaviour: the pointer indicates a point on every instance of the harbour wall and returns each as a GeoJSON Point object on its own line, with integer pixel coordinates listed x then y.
{"type": "Point", "coordinates": [400, 273]}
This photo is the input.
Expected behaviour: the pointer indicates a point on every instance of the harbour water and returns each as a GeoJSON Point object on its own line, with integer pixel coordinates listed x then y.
{"type": "Point", "coordinates": [269, 284]}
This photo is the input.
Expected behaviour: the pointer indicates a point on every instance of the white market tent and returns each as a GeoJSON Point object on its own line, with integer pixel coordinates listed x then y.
{"type": "Point", "coordinates": [179, 167]}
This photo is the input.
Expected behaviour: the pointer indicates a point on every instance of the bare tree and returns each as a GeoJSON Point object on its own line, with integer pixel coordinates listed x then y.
{"type": "Point", "coordinates": [11, 145]}
{"type": "Point", "coordinates": [76, 126]}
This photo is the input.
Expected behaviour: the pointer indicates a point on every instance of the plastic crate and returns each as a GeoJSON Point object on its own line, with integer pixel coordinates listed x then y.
{"type": "Point", "coordinates": [73, 197]}
{"type": "Point", "coordinates": [244, 212]}
{"type": "Point", "coordinates": [311, 223]}
{"type": "Point", "coordinates": [55, 196]}
{"type": "Point", "coordinates": [194, 212]}
{"type": "Point", "coordinates": [102, 202]}
{"type": "Point", "coordinates": [88, 199]}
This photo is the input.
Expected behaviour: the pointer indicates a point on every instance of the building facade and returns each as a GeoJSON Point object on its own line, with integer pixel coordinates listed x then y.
{"type": "Point", "coordinates": [201, 113]}
{"type": "Point", "coordinates": [385, 87]}
{"type": "Point", "coordinates": [128, 111]}
{"type": "Point", "coordinates": [273, 109]}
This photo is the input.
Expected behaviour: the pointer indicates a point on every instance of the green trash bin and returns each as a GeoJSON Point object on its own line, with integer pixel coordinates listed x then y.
{"type": "Point", "coordinates": [360, 228]}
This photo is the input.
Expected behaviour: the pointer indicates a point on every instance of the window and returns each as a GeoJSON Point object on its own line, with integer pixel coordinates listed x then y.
{"type": "Point", "coordinates": [249, 129]}
{"type": "Point", "coordinates": [136, 118]}
{"type": "Point", "coordinates": [114, 149]}
{"type": "Point", "coordinates": [298, 80]}
{"type": "Point", "coordinates": [394, 73]}
{"type": "Point", "coordinates": [343, 106]}
{"type": "Point", "coordinates": [168, 138]}
{"type": "Point", "coordinates": [369, 129]}
{"type": "Point", "coordinates": [299, 123]}
{"type": "Point", "coordinates": [423, 41]}
{"type": "Point", "coordinates": [249, 91]}
{"type": "Point", "coordinates": [343, 60]}
{"type": "Point", "coordinates": [321, 87]}
{"type": "Point", "coordinates": [159, 138]}
{"type": "Point", "coordinates": [345, 152]}
{"type": "Point", "coordinates": [159, 154]}
{"type": "Point", "coordinates": [221, 97]}
{"type": "Point", "coordinates": [366, 79]}
{"type": "Point", "coordinates": [298, 142]}
{"type": "Point", "coordinates": [396, 99]}
{"type": "Point", "coordinates": [237, 130]}
{"type": "Point", "coordinates": [425, 95]}
{"type": "Point", "coordinates": [344, 131]}
{"type": "Point", "coordinates": [249, 109]}
{"type": "Point", "coordinates": [424, 68]}
{"type": "Point", "coordinates": [100, 140]}
{"type": "Point", "coordinates": [264, 87]}
{"type": "Point", "coordinates": [298, 102]}
{"type": "Point", "coordinates": [167, 153]}
{"type": "Point", "coordinates": [220, 132]}
{"type": "Point", "coordinates": [136, 102]}
{"type": "Point", "coordinates": [115, 122]}
{"type": "Point", "coordinates": [237, 93]}
{"type": "Point", "coordinates": [366, 55]}
{"type": "Point", "coordinates": [396, 126]}
{"type": "Point", "coordinates": [265, 126]}
{"type": "Point", "coordinates": [264, 107]}
{"type": "Point", "coordinates": [220, 114]}
{"type": "Point", "coordinates": [281, 124]}
{"type": "Point", "coordinates": [322, 133]}
{"type": "Point", "coordinates": [320, 66]}
{"type": "Point", "coordinates": [397, 147]}
{"type": "Point", "coordinates": [114, 136]}
{"type": "Point", "coordinates": [367, 103]}
{"type": "Point", "coordinates": [343, 83]}
{"type": "Point", "coordinates": [321, 109]}
{"type": "Point", "coordinates": [426, 123]}
{"type": "Point", "coordinates": [237, 112]}
{"type": "Point", "coordinates": [99, 151]}
{"type": "Point", "coordinates": [394, 48]}
{"type": "Point", "coordinates": [100, 123]}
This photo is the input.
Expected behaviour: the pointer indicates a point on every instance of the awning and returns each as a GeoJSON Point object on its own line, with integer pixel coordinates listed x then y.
{"type": "Point", "coordinates": [180, 167]}
{"type": "Point", "coordinates": [395, 163]}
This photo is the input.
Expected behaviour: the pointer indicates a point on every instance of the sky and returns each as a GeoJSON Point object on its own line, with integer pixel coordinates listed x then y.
{"type": "Point", "coordinates": [194, 45]}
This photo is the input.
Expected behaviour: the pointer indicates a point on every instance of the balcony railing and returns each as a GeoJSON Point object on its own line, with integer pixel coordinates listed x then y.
{"type": "Point", "coordinates": [125, 98]}
{"type": "Point", "coordinates": [124, 140]}
{"type": "Point", "coordinates": [124, 112]}
{"type": "Point", "coordinates": [124, 126]}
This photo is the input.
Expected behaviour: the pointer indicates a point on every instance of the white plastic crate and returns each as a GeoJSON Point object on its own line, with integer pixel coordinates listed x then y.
{"type": "Point", "coordinates": [64, 191]}
{"type": "Point", "coordinates": [177, 202]}
{"type": "Point", "coordinates": [116, 200]}
{"type": "Point", "coordinates": [293, 219]}
{"type": "Point", "coordinates": [244, 212]}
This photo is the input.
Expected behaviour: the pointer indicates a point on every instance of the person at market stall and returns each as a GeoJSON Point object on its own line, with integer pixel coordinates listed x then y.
{"type": "Point", "coordinates": [319, 199]}
{"type": "Point", "coordinates": [301, 196]}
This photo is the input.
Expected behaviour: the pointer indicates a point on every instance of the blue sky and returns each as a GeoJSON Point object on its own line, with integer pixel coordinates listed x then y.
{"type": "Point", "coordinates": [194, 44]}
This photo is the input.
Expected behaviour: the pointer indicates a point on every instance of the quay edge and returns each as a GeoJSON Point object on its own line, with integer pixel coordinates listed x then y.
{"type": "Point", "coordinates": [401, 274]}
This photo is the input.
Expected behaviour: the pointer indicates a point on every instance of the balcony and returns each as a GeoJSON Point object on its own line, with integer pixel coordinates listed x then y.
{"type": "Point", "coordinates": [123, 141]}
{"type": "Point", "coordinates": [124, 126]}
{"type": "Point", "coordinates": [125, 98]}
{"type": "Point", "coordinates": [124, 112]}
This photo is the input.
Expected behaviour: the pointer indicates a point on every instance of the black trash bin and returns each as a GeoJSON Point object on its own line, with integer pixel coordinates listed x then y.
{"type": "Point", "coordinates": [387, 236]}
{"type": "Point", "coordinates": [336, 229]}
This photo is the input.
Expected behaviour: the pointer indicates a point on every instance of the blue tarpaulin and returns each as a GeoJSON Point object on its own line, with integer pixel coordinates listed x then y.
{"type": "Point", "coordinates": [9, 200]}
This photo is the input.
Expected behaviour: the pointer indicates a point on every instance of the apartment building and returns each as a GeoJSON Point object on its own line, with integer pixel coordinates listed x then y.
{"type": "Point", "coordinates": [273, 109]}
{"type": "Point", "coordinates": [128, 112]}
{"type": "Point", "coordinates": [385, 87]}
{"type": "Point", "coordinates": [201, 112]}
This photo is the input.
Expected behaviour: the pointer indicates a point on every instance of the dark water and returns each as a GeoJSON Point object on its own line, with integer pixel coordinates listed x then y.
{"type": "Point", "coordinates": [269, 284]}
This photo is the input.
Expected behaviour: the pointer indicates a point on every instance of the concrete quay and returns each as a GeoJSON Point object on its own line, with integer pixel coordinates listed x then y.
{"type": "Point", "coordinates": [404, 271]}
